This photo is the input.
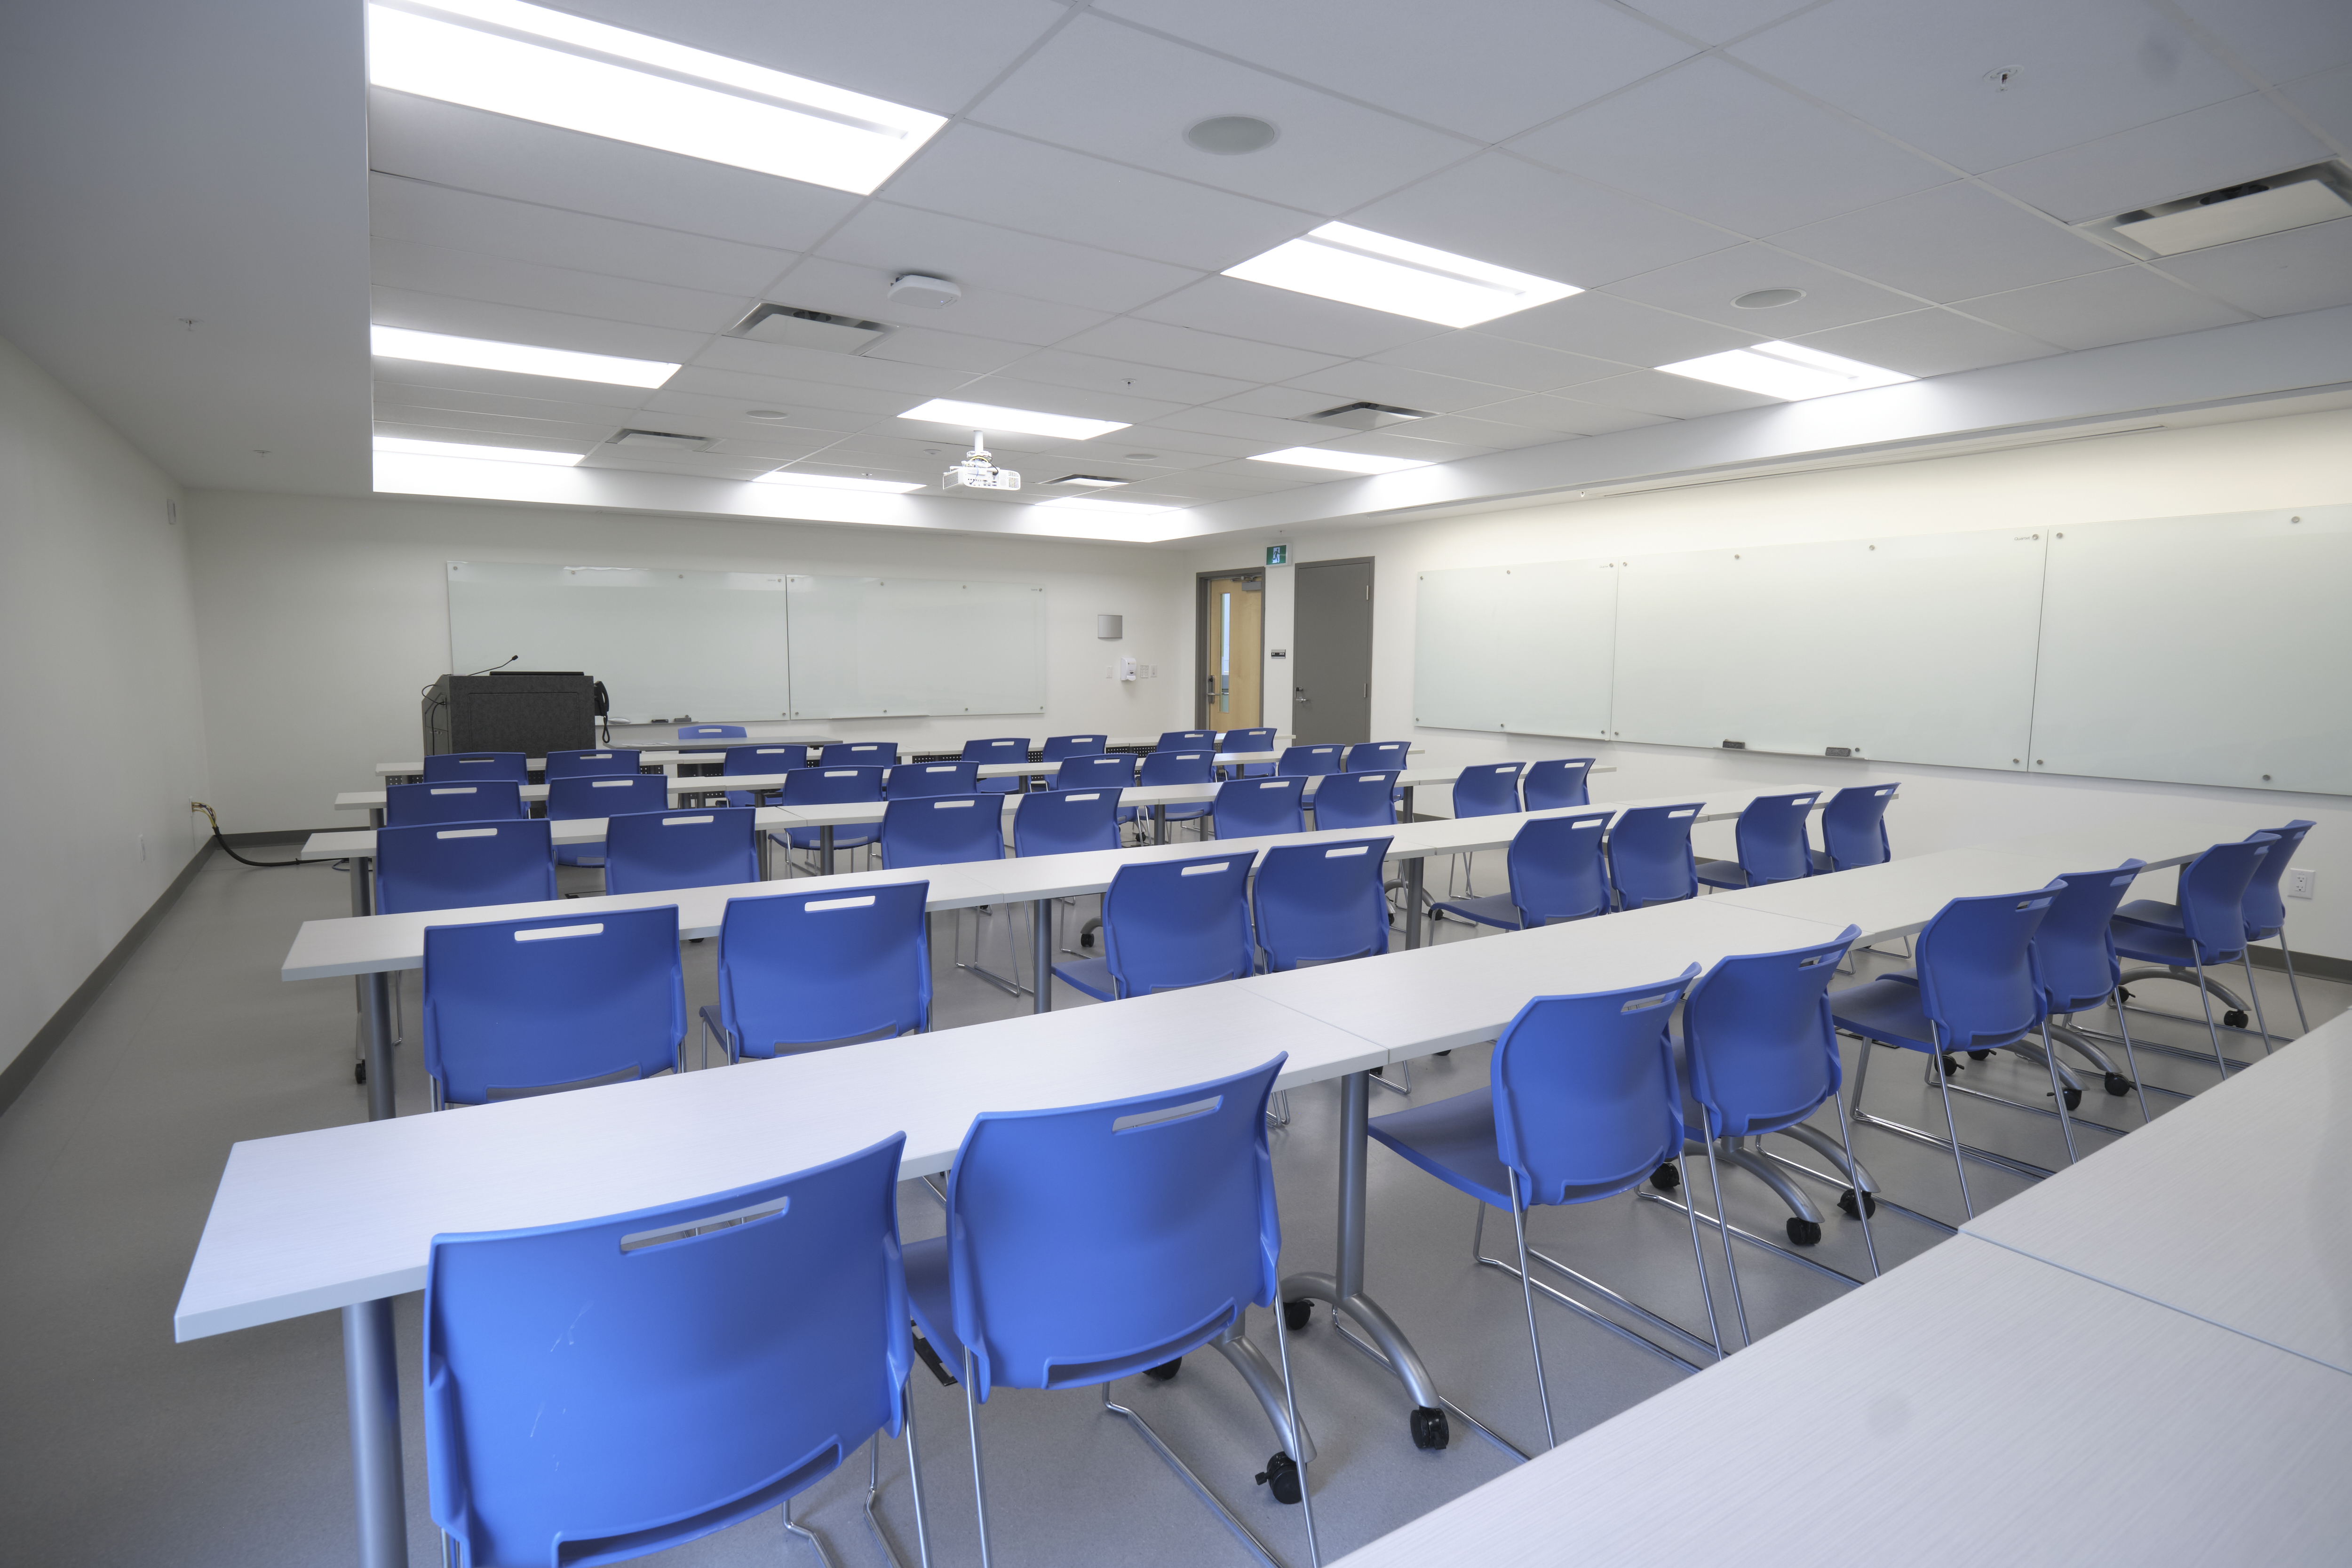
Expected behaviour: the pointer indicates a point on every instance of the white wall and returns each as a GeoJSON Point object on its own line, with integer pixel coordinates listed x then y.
{"type": "Point", "coordinates": [98, 637]}
{"type": "Point", "coordinates": [2297, 460]}
{"type": "Point", "coordinates": [322, 618]}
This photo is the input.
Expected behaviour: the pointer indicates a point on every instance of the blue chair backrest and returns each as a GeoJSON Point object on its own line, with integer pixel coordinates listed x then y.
{"type": "Point", "coordinates": [576, 796]}
{"type": "Point", "coordinates": [1066, 821]}
{"type": "Point", "coordinates": [2213, 896]}
{"type": "Point", "coordinates": [915, 779]}
{"type": "Point", "coordinates": [1853, 826]}
{"type": "Point", "coordinates": [1059, 746]}
{"type": "Point", "coordinates": [463, 866]}
{"type": "Point", "coordinates": [859, 755]}
{"type": "Point", "coordinates": [823, 785]}
{"type": "Point", "coordinates": [799, 972]}
{"type": "Point", "coordinates": [1243, 808]}
{"type": "Point", "coordinates": [1099, 769]}
{"type": "Point", "coordinates": [1556, 868]}
{"type": "Point", "coordinates": [1316, 903]}
{"type": "Point", "coordinates": [1177, 768]}
{"type": "Point", "coordinates": [1246, 741]}
{"type": "Point", "coordinates": [559, 999]}
{"type": "Point", "coordinates": [2265, 910]}
{"type": "Point", "coordinates": [1556, 782]}
{"type": "Point", "coordinates": [711, 731]}
{"type": "Point", "coordinates": [1585, 1098]}
{"type": "Point", "coordinates": [1771, 838]}
{"type": "Point", "coordinates": [1370, 754]}
{"type": "Point", "coordinates": [942, 830]}
{"type": "Point", "coordinates": [1088, 1244]}
{"type": "Point", "coordinates": [484, 800]}
{"type": "Point", "coordinates": [763, 759]}
{"type": "Point", "coordinates": [558, 1432]}
{"type": "Point", "coordinates": [461, 767]}
{"type": "Point", "coordinates": [1650, 860]}
{"type": "Point", "coordinates": [1003, 749]}
{"type": "Point", "coordinates": [1308, 761]}
{"type": "Point", "coordinates": [1761, 1046]}
{"type": "Point", "coordinates": [2074, 946]}
{"type": "Point", "coordinates": [652, 851]}
{"type": "Point", "coordinates": [1976, 979]}
{"type": "Point", "coordinates": [1487, 789]}
{"type": "Point", "coordinates": [1187, 740]}
{"type": "Point", "coordinates": [1356, 800]}
{"type": "Point", "coordinates": [1168, 924]}
{"type": "Point", "coordinates": [603, 763]}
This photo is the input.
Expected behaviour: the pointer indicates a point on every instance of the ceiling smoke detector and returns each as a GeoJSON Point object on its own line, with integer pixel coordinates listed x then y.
{"type": "Point", "coordinates": [921, 289]}
{"type": "Point", "coordinates": [2247, 210]}
{"type": "Point", "coordinates": [1229, 135]}
{"type": "Point", "coordinates": [802, 328]}
{"type": "Point", "coordinates": [1767, 298]}
{"type": "Point", "coordinates": [1363, 415]}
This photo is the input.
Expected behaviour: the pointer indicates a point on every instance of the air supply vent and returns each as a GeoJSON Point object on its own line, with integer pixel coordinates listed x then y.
{"type": "Point", "coordinates": [772, 323]}
{"type": "Point", "coordinates": [658, 440]}
{"type": "Point", "coordinates": [1092, 481]}
{"type": "Point", "coordinates": [1363, 415]}
{"type": "Point", "coordinates": [2248, 210]}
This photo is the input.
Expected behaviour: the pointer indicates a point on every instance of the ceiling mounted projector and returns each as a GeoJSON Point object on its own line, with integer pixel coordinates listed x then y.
{"type": "Point", "coordinates": [978, 471]}
{"type": "Point", "coordinates": [930, 293]}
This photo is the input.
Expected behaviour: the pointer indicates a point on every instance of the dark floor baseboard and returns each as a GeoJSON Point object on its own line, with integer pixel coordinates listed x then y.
{"type": "Point", "coordinates": [2319, 967]}
{"type": "Point", "coordinates": [18, 1075]}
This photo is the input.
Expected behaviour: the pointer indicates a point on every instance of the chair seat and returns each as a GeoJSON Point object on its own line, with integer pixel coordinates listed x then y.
{"type": "Point", "coordinates": [1723, 873]}
{"type": "Point", "coordinates": [1494, 910]}
{"type": "Point", "coordinates": [1888, 1009]}
{"type": "Point", "coordinates": [843, 838]}
{"type": "Point", "coordinates": [1453, 1140]}
{"type": "Point", "coordinates": [1822, 861]}
{"type": "Point", "coordinates": [578, 855]}
{"type": "Point", "coordinates": [1091, 975]}
{"type": "Point", "coordinates": [930, 1299]}
{"type": "Point", "coordinates": [2146, 943]}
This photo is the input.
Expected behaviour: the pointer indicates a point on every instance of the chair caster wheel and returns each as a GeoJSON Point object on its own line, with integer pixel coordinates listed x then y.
{"type": "Point", "coordinates": [2118, 1084]}
{"type": "Point", "coordinates": [1951, 1064]}
{"type": "Point", "coordinates": [359, 1072]}
{"type": "Point", "coordinates": [1667, 1178]}
{"type": "Point", "coordinates": [1281, 1477]}
{"type": "Point", "coordinates": [1804, 1233]}
{"type": "Point", "coordinates": [1845, 1202]}
{"type": "Point", "coordinates": [1979, 1056]}
{"type": "Point", "coordinates": [2234, 1018]}
{"type": "Point", "coordinates": [1429, 1428]}
{"type": "Point", "coordinates": [2074, 1098]}
{"type": "Point", "coordinates": [1297, 1315]}
{"type": "Point", "coordinates": [1166, 1371]}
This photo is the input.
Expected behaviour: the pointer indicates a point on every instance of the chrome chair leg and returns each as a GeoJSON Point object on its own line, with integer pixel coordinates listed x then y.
{"type": "Point", "coordinates": [915, 1484]}
{"type": "Point", "coordinates": [2254, 994]}
{"type": "Point", "coordinates": [2057, 1088]}
{"type": "Point", "coordinates": [1527, 1291]}
{"type": "Point", "coordinates": [1731, 1266]}
{"type": "Point", "coordinates": [1298, 1453]}
{"type": "Point", "coordinates": [2293, 990]}
{"type": "Point", "coordinates": [873, 1488]}
{"type": "Point", "coordinates": [810, 1536]}
{"type": "Point", "coordinates": [1959, 1161]}
{"type": "Point", "coordinates": [1860, 1178]}
{"type": "Point", "coordinates": [2211, 1031]}
{"type": "Point", "coordinates": [979, 1486]}
{"type": "Point", "coordinates": [1699, 1254]}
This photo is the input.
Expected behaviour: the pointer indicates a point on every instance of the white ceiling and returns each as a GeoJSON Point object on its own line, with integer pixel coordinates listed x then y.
{"type": "Point", "coordinates": [1666, 155]}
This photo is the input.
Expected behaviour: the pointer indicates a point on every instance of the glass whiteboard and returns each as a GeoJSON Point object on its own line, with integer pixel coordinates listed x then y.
{"type": "Point", "coordinates": [894, 646]}
{"type": "Point", "coordinates": [1525, 650]}
{"type": "Point", "coordinates": [664, 641]}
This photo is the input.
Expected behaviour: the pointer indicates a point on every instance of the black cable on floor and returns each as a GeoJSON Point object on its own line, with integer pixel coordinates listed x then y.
{"type": "Point", "coordinates": [222, 840]}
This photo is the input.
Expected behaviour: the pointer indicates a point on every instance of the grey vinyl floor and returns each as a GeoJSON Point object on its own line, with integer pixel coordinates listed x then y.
{"type": "Point", "coordinates": [118, 1447]}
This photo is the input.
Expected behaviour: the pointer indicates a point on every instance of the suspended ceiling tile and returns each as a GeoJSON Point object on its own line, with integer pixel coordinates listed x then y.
{"type": "Point", "coordinates": [1929, 342]}
{"type": "Point", "coordinates": [844, 290]}
{"type": "Point", "coordinates": [1607, 327]}
{"type": "Point", "coordinates": [1409, 58]}
{"type": "Point", "coordinates": [1278, 401]}
{"type": "Point", "coordinates": [2327, 100]}
{"type": "Point", "coordinates": [803, 399]}
{"type": "Point", "coordinates": [1497, 361]}
{"type": "Point", "coordinates": [502, 281]}
{"type": "Point", "coordinates": [1110, 89]}
{"type": "Point", "coordinates": [1231, 306]}
{"type": "Point", "coordinates": [946, 351]}
{"type": "Point", "coordinates": [1262, 432]}
{"type": "Point", "coordinates": [1473, 429]}
{"type": "Point", "coordinates": [2119, 306]}
{"type": "Point", "coordinates": [788, 362]}
{"type": "Point", "coordinates": [718, 398]}
{"type": "Point", "coordinates": [1085, 403]}
{"type": "Point", "coordinates": [1566, 416]}
{"type": "Point", "coordinates": [896, 239]}
{"type": "Point", "coordinates": [1717, 21]}
{"type": "Point", "coordinates": [1059, 367]}
{"type": "Point", "coordinates": [1670, 396]}
{"type": "Point", "coordinates": [1712, 141]}
{"type": "Point", "coordinates": [586, 402]}
{"type": "Point", "coordinates": [2280, 38]}
{"type": "Point", "coordinates": [483, 429]}
{"type": "Point", "coordinates": [1187, 348]}
{"type": "Point", "coordinates": [2278, 274]}
{"type": "Point", "coordinates": [1414, 447]}
{"type": "Point", "coordinates": [519, 325]}
{"type": "Point", "coordinates": [1706, 287]}
{"type": "Point", "coordinates": [1921, 70]}
{"type": "Point", "coordinates": [1372, 382]}
{"type": "Point", "coordinates": [2206, 149]}
{"type": "Point", "coordinates": [1952, 242]}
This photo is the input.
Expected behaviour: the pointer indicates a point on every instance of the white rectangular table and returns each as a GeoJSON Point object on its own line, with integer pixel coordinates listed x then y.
{"type": "Point", "coordinates": [713, 749]}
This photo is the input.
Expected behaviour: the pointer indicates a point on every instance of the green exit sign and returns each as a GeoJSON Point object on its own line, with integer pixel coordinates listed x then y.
{"type": "Point", "coordinates": [1277, 555]}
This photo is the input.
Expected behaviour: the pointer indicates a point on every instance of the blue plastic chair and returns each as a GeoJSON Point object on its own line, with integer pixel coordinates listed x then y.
{"type": "Point", "coordinates": [1556, 871]}
{"type": "Point", "coordinates": [1556, 782]}
{"type": "Point", "coordinates": [1356, 800]}
{"type": "Point", "coordinates": [1770, 834]}
{"type": "Point", "coordinates": [1757, 1054]}
{"type": "Point", "coordinates": [461, 767]}
{"type": "Point", "coordinates": [1247, 809]}
{"type": "Point", "coordinates": [2263, 906]}
{"type": "Point", "coordinates": [653, 851]}
{"type": "Point", "coordinates": [1254, 740]}
{"type": "Point", "coordinates": [1096, 770]}
{"type": "Point", "coordinates": [915, 780]}
{"type": "Point", "coordinates": [1581, 1104]}
{"type": "Point", "coordinates": [1319, 903]}
{"type": "Point", "coordinates": [476, 800]}
{"type": "Point", "coordinates": [2074, 953]}
{"type": "Point", "coordinates": [1003, 749]}
{"type": "Point", "coordinates": [2206, 926]}
{"type": "Point", "coordinates": [942, 831]}
{"type": "Point", "coordinates": [597, 764]}
{"type": "Point", "coordinates": [1057, 747]}
{"type": "Point", "coordinates": [823, 785]}
{"type": "Point", "coordinates": [1853, 828]}
{"type": "Point", "coordinates": [572, 796]}
{"type": "Point", "coordinates": [1174, 768]}
{"type": "Point", "coordinates": [1975, 989]}
{"type": "Point", "coordinates": [1306, 761]}
{"type": "Point", "coordinates": [463, 866]}
{"type": "Point", "coordinates": [806, 971]}
{"type": "Point", "coordinates": [1066, 821]}
{"type": "Point", "coordinates": [740, 759]}
{"type": "Point", "coordinates": [859, 755]}
{"type": "Point", "coordinates": [1170, 924]}
{"type": "Point", "coordinates": [1186, 740]}
{"type": "Point", "coordinates": [1487, 789]}
{"type": "Point", "coordinates": [1650, 856]}
{"type": "Point", "coordinates": [514, 1008]}
{"type": "Point", "coordinates": [1089, 1244]}
{"type": "Point", "coordinates": [604, 1388]}
{"type": "Point", "coordinates": [712, 732]}
{"type": "Point", "coordinates": [1368, 755]}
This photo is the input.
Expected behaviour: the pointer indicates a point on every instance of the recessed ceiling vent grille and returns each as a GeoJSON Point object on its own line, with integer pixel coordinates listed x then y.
{"type": "Point", "coordinates": [658, 440]}
{"type": "Point", "coordinates": [1362, 416]}
{"type": "Point", "coordinates": [2248, 210]}
{"type": "Point", "coordinates": [772, 323]}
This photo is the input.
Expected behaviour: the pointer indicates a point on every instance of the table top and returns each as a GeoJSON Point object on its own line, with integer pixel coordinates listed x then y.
{"type": "Point", "coordinates": [316, 1220]}
{"type": "Point", "coordinates": [665, 749]}
{"type": "Point", "coordinates": [2230, 1208]}
{"type": "Point", "coordinates": [2089, 1426]}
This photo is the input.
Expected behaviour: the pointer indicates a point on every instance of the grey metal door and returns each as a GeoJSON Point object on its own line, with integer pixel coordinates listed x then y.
{"type": "Point", "coordinates": [1331, 657]}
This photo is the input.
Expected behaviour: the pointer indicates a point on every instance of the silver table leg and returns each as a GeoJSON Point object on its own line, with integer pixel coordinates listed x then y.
{"type": "Point", "coordinates": [1041, 956]}
{"type": "Point", "coordinates": [375, 1015]}
{"type": "Point", "coordinates": [1413, 873]}
{"type": "Point", "coordinates": [372, 1382]}
{"type": "Point", "coordinates": [825, 850]}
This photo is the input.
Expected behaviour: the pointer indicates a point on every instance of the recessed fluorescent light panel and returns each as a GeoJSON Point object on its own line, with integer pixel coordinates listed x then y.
{"type": "Point", "coordinates": [1346, 462]}
{"type": "Point", "coordinates": [836, 482]}
{"type": "Point", "coordinates": [560, 70]}
{"type": "Point", "coordinates": [1019, 421]}
{"type": "Point", "coordinates": [1357, 267]}
{"type": "Point", "coordinates": [1785, 369]}
{"type": "Point", "coordinates": [523, 359]}
{"type": "Point", "coordinates": [461, 449]}
{"type": "Point", "coordinates": [1088, 503]}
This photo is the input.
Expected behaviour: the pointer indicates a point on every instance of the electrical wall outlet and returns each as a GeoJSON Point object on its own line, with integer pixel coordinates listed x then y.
{"type": "Point", "coordinates": [2302, 883]}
